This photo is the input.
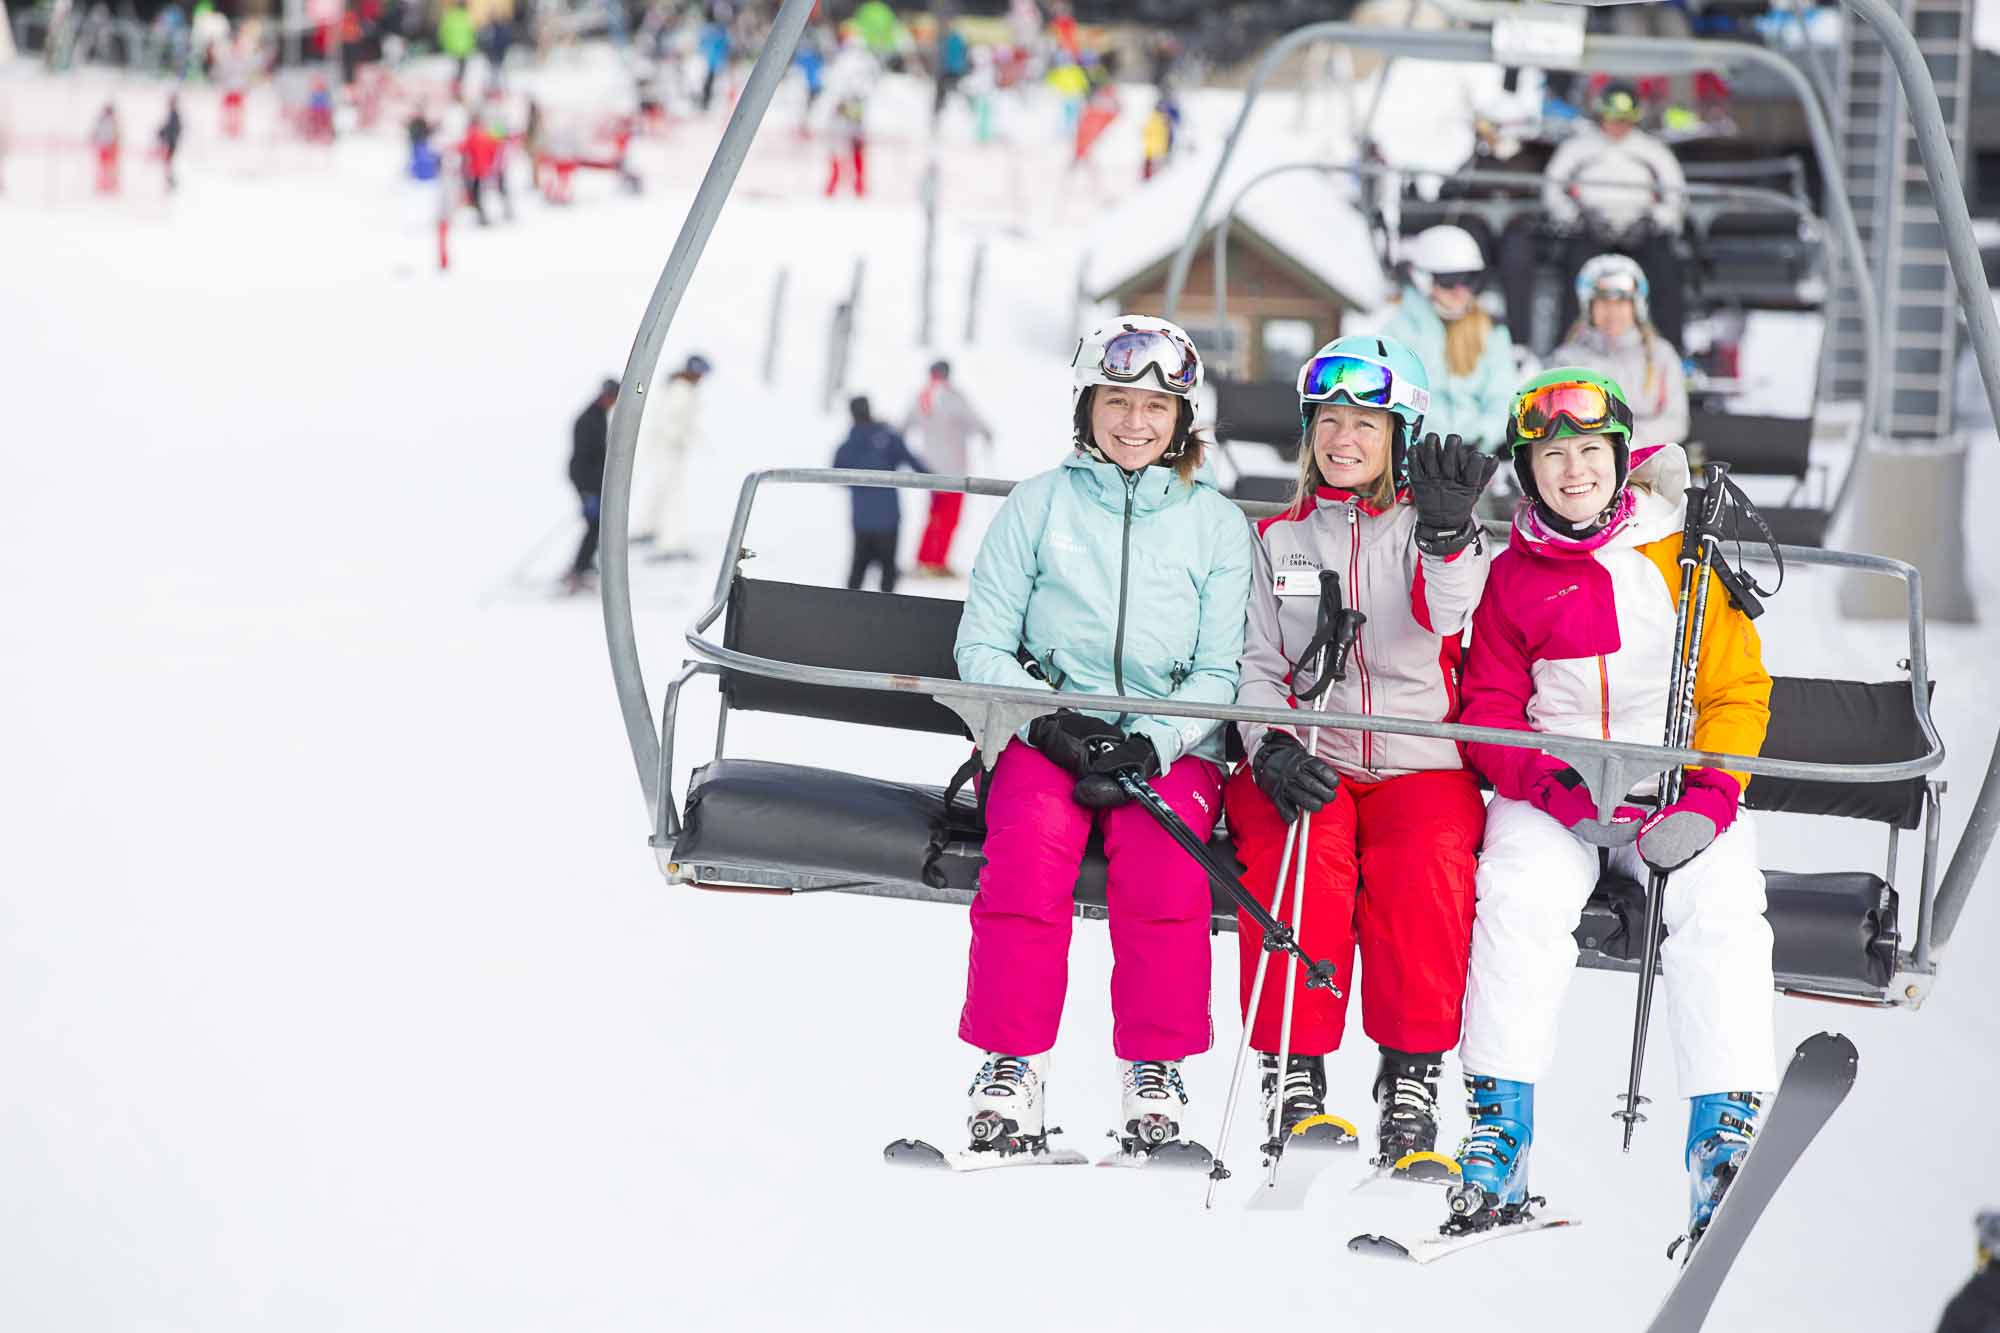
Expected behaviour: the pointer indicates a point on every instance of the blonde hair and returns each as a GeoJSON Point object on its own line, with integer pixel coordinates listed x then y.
{"type": "Point", "coordinates": [1465, 340]}
{"type": "Point", "coordinates": [1381, 493]}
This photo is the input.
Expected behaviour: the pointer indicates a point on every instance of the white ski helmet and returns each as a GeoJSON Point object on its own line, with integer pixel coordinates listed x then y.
{"type": "Point", "coordinates": [1613, 275]}
{"type": "Point", "coordinates": [1443, 250]}
{"type": "Point", "coordinates": [1140, 351]}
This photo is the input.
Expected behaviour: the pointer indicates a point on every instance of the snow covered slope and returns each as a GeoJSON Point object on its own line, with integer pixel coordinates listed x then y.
{"type": "Point", "coordinates": [337, 987]}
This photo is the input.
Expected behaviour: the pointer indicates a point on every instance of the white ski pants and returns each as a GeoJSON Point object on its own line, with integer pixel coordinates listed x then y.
{"type": "Point", "coordinates": [669, 499]}
{"type": "Point", "coordinates": [1715, 992]}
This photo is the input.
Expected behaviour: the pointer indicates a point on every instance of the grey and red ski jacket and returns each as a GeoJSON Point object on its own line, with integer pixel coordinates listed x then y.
{"type": "Point", "coordinates": [1405, 662]}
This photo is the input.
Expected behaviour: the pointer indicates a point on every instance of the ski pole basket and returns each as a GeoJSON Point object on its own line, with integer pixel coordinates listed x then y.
{"type": "Point", "coordinates": [1836, 749]}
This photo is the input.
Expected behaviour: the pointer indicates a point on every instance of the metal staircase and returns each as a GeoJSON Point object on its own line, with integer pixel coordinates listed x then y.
{"type": "Point", "coordinates": [1899, 227]}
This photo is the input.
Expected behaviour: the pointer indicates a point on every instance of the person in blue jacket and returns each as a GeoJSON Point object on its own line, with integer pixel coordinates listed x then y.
{"type": "Point", "coordinates": [1469, 358]}
{"type": "Point", "coordinates": [1122, 571]}
{"type": "Point", "coordinates": [878, 513]}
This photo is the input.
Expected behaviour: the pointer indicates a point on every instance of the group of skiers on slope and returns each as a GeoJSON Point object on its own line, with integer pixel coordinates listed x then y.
{"type": "Point", "coordinates": [1125, 571]}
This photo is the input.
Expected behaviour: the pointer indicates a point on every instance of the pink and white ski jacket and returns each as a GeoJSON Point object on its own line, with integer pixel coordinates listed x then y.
{"type": "Point", "coordinates": [1576, 638]}
{"type": "Point", "coordinates": [1405, 662]}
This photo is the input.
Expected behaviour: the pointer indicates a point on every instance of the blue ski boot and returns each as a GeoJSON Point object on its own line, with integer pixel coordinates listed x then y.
{"type": "Point", "coordinates": [1720, 1127]}
{"type": "Point", "coordinates": [1493, 1160]}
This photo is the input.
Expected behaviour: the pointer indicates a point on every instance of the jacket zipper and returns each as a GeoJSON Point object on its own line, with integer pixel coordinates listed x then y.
{"type": "Point", "coordinates": [1124, 578]}
{"type": "Point", "coordinates": [1603, 697]}
{"type": "Point", "coordinates": [1360, 656]}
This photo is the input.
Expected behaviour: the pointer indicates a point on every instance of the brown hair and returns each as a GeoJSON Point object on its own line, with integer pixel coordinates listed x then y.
{"type": "Point", "coordinates": [1194, 443]}
{"type": "Point", "coordinates": [1381, 494]}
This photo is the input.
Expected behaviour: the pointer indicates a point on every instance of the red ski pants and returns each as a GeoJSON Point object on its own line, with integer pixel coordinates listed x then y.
{"type": "Point", "coordinates": [1388, 865]}
{"type": "Point", "coordinates": [936, 546]}
{"type": "Point", "coordinates": [857, 155]}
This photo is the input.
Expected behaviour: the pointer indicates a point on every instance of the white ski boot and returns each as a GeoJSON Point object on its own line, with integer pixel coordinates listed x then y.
{"type": "Point", "coordinates": [1006, 1113]}
{"type": "Point", "coordinates": [1155, 1102]}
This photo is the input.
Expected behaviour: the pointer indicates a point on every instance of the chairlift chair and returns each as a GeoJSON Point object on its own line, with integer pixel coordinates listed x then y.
{"type": "Point", "coordinates": [1840, 933]}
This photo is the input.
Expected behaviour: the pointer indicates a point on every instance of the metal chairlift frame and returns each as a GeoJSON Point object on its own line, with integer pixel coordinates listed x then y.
{"type": "Point", "coordinates": [1633, 56]}
{"type": "Point", "coordinates": [1606, 766]}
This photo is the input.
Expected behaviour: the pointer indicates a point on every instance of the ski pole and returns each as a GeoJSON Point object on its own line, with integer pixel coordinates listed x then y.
{"type": "Point", "coordinates": [1331, 646]}
{"type": "Point", "coordinates": [1698, 540]}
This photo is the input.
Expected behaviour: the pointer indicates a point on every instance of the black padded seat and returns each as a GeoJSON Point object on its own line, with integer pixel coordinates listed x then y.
{"type": "Point", "coordinates": [837, 831]}
{"type": "Point", "coordinates": [1834, 926]}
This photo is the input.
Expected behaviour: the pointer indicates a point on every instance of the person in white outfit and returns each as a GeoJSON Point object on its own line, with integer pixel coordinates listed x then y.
{"type": "Point", "coordinates": [1575, 636]}
{"type": "Point", "coordinates": [668, 433]}
{"type": "Point", "coordinates": [945, 423]}
{"type": "Point", "coordinates": [1615, 336]}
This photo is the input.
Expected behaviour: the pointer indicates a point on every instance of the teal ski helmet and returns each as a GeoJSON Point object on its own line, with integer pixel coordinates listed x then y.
{"type": "Point", "coordinates": [1369, 371]}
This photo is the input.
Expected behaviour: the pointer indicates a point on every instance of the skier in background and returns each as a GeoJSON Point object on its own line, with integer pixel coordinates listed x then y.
{"type": "Point", "coordinates": [104, 139]}
{"type": "Point", "coordinates": [589, 439]}
{"type": "Point", "coordinates": [1469, 357]}
{"type": "Point", "coordinates": [714, 43]}
{"type": "Point", "coordinates": [1614, 335]}
{"type": "Point", "coordinates": [169, 138]}
{"type": "Point", "coordinates": [878, 513]}
{"type": "Point", "coordinates": [1575, 636]}
{"type": "Point", "coordinates": [458, 38]}
{"type": "Point", "coordinates": [1121, 571]}
{"type": "Point", "coordinates": [1976, 1308]}
{"type": "Point", "coordinates": [669, 430]}
{"type": "Point", "coordinates": [946, 423]}
{"type": "Point", "coordinates": [849, 81]}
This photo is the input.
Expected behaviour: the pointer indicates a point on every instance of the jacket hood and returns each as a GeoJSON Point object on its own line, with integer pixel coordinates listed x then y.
{"type": "Point", "coordinates": [1157, 487]}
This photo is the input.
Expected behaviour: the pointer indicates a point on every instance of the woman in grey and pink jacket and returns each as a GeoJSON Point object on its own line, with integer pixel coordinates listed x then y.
{"type": "Point", "coordinates": [1395, 820]}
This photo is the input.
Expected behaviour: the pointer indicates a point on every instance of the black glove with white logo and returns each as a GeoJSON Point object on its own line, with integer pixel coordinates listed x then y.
{"type": "Point", "coordinates": [1446, 477]}
{"type": "Point", "coordinates": [1071, 738]}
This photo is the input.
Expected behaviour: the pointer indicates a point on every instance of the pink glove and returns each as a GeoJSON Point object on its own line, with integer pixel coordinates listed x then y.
{"type": "Point", "coordinates": [1558, 792]}
{"type": "Point", "coordinates": [1673, 836]}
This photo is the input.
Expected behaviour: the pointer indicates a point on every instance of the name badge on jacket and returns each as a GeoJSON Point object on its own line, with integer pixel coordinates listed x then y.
{"type": "Point", "coordinates": [1295, 583]}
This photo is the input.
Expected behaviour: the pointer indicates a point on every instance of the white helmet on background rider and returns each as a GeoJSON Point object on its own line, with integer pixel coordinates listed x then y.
{"type": "Point", "coordinates": [1140, 352]}
{"type": "Point", "coordinates": [1448, 253]}
{"type": "Point", "coordinates": [1613, 276]}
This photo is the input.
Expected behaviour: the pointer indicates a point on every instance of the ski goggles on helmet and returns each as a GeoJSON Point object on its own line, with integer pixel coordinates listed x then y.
{"type": "Point", "coordinates": [1130, 355]}
{"type": "Point", "coordinates": [1619, 104]}
{"type": "Point", "coordinates": [1614, 287]}
{"type": "Point", "coordinates": [1466, 278]}
{"type": "Point", "coordinates": [1539, 413]}
{"type": "Point", "coordinates": [1325, 379]}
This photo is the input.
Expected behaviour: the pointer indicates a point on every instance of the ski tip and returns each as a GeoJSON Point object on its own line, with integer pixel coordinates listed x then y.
{"type": "Point", "coordinates": [1324, 1131]}
{"type": "Point", "coordinates": [1828, 1048]}
{"type": "Point", "coordinates": [914, 1152]}
{"type": "Point", "coordinates": [1427, 1167]}
{"type": "Point", "coordinates": [1380, 1247]}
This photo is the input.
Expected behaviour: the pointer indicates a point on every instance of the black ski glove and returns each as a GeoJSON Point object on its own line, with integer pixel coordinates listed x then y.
{"type": "Point", "coordinates": [1446, 478]}
{"type": "Point", "coordinates": [1068, 737]}
{"type": "Point", "coordinates": [1295, 781]}
{"type": "Point", "coordinates": [1097, 788]}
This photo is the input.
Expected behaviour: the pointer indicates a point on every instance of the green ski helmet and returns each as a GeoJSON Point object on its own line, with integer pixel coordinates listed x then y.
{"type": "Point", "coordinates": [1369, 371]}
{"type": "Point", "coordinates": [1567, 401]}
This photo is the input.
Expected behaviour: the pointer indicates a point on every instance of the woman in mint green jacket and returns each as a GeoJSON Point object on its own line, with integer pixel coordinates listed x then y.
{"type": "Point", "coordinates": [1122, 571]}
{"type": "Point", "coordinates": [1469, 358]}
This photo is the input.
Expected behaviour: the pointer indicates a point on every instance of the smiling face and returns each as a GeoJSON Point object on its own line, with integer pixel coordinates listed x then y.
{"type": "Point", "coordinates": [1612, 316]}
{"type": "Point", "coordinates": [1351, 444]}
{"type": "Point", "coordinates": [1132, 427]}
{"type": "Point", "coordinates": [1577, 476]}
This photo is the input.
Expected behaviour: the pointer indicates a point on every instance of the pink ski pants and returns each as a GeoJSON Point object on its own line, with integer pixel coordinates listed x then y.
{"type": "Point", "coordinates": [1158, 899]}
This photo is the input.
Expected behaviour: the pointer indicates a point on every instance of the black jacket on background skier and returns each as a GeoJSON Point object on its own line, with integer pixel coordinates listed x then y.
{"type": "Point", "coordinates": [1976, 1308]}
{"type": "Point", "coordinates": [878, 513]}
{"type": "Point", "coordinates": [586, 472]}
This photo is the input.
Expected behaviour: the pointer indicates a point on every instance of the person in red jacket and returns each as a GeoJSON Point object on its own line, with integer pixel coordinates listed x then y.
{"type": "Point", "coordinates": [480, 152]}
{"type": "Point", "coordinates": [1390, 823]}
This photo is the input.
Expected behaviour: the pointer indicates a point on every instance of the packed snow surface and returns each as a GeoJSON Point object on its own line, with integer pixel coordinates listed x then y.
{"type": "Point", "coordinates": [339, 991]}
